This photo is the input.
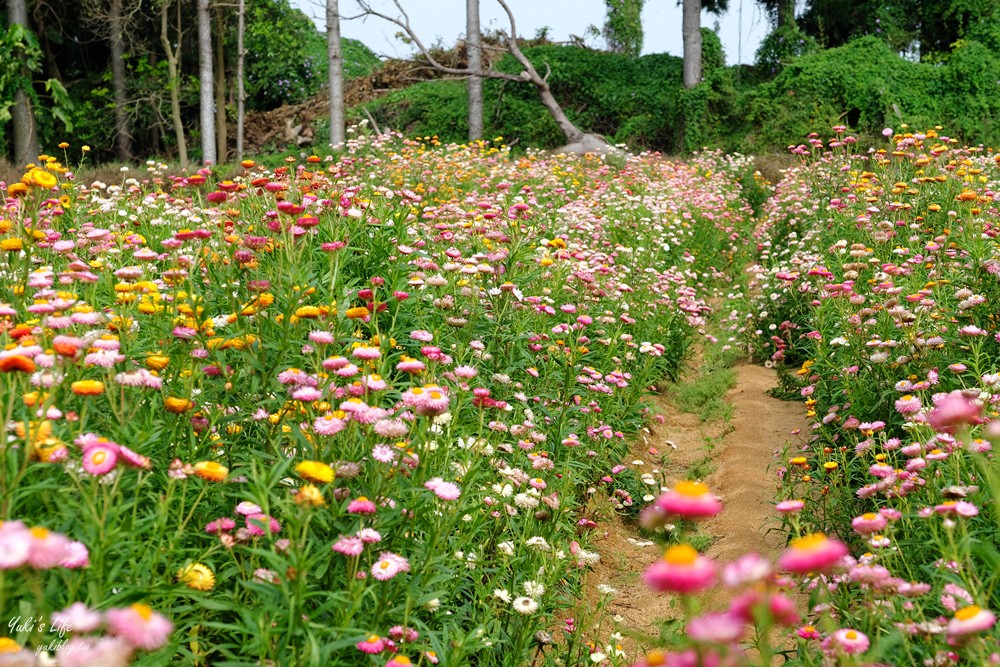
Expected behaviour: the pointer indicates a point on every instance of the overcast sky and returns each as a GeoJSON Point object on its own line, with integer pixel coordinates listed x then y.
{"type": "Point", "coordinates": [741, 28]}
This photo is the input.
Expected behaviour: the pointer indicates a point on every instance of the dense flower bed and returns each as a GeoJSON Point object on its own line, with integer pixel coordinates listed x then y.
{"type": "Point", "coordinates": [346, 411]}
{"type": "Point", "coordinates": [875, 291]}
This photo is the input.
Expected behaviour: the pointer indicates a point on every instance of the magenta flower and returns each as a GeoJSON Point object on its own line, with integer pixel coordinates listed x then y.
{"type": "Point", "coordinates": [372, 645]}
{"type": "Point", "coordinates": [682, 570]}
{"type": "Point", "coordinates": [262, 524]}
{"type": "Point", "coordinates": [952, 412]}
{"type": "Point", "coordinates": [812, 553]}
{"type": "Point", "coordinates": [869, 523]}
{"type": "Point", "coordinates": [690, 500]}
{"type": "Point", "coordinates": [99, 460]}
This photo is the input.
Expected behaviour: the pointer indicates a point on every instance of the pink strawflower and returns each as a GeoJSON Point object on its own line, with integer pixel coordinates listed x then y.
{"type": "Point", "coordinates": [390, 428]}
{"type": "Point", "coordinates": [850, 642]}
{"type": "Point", "coordinates": [48, 549]}
{"type": "Point", "coordinates": [78, 618]}
{"type": "Point", "coordinates": [681, 570]}
{"type": "Point", "coordinates": [261, 524]}
{"type": "Point", "coordinates": [812, 553]}
{"type": "Point", "coordinates": [369, 536]}
{"type": "Point", "coordinates": [748, 569]}
{"type": "Point", "coordinates": [790, 506]}
{"type": "Point", "coordinates": [399, 633]}
{"type": "Point", "coordinates": [77, 556]}
{"type": "Point", "coordinates": [223, 525]}
{"type": "Point", "coordinates": [91, 651]}
{"type": "Point", "coordinates": [329, 424]}
{"type": "Point", "coordinates": [869, 523]}
{"type": "Point", "coordinates": [246, 508]}
{"type": "Point", "coordinates": [99, 460]}
{"type": "Point", "coordinates": [443, 490]}
{"type": "Point", "coordinates": [971, 620]}
{"type": "Point", "coordinates": [361, 505]}
{"type": "Point", "coordinates": [134, 459]}
{"type": "Point", "coordinates": [713, 628]}
{"type": "Point", "coordinates": [690, 500]}
{"type": "Point", "coordinates": [15, 544]}
{"type": "Point", "coordinates": [383, 453]}
{"type": "Point", "coordinates": [953, 411]}
{"type": "Point", "coordinates": [389, 565]}
{"type": "Point", "coordinates": [349, 546]}
{"type": "Point", "coordinates": [307, 394]}
{"type": "Point", "coordinates": [372, 645]}
{"type": "Point", "coordinates": [140, 626]}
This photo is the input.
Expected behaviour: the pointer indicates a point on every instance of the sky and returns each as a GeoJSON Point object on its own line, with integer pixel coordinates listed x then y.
{"type": "Point", "coordinates": [741, 28]}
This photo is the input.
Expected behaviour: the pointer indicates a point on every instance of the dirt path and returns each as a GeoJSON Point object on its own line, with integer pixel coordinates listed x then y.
{"type": "Point", "coordinates": [740, 452]}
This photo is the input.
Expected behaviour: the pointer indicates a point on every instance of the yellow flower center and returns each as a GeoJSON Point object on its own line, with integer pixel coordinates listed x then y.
{"type": "Point", "coordinates": [99, 457]}
{"type": "Point", "coordinates": [851, 634]}
{"type": "Point", "coordinates": [809, 542]}
{"type": "Point", "coordinates": [691, 489]}
{"type": "Point", "coordinates": [39, 533]}
{"type": "Point", "coordinates": [967, 613]}
{"type": "Point", "coordinates": [373, 639]}
{"type": "Point", "coordinates": [868, 516]}
{"type": "Point", "coordinates": [8, 645]}
{"type": "Point", "coordinates": [681, 554]}
{"type": "Point", "coordinates": [145, 611]}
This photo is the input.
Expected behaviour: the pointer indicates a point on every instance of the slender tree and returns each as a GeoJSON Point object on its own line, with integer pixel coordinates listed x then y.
{"type": "Point", "coordinates": [123, 137]}
{"type": "Point", "coordinates": [241, 95]}
{"type": "Point", "coordinates": [22, 114]}
{"type": "Point", "coordinates": [474, 53]}
{"type": "Point", "coordinates": [576, 139]}
{"type": "Point", "coordinates": [221, 127]}
{"type": "Point", "coordinates": [173, 53]}
{"type": "Point", "coordinates": [623, 26]}
{"type": "Point", "coordinates": [205, 82]}
{"type": "Point", "coordinates": [335, 57]}
{"type": "Point", "coordinates": [691, 29]}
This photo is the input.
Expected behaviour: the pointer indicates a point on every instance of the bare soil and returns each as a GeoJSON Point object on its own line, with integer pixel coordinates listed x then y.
{"type": "Point", "coordinates": [741, 451]}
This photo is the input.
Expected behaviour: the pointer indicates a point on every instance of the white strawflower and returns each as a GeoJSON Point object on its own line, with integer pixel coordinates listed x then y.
{"type": "Point", "coordinates": [525, 605]}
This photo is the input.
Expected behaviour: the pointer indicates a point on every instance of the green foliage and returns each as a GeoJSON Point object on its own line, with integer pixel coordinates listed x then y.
{"type": "Point", "coordinates": [782, 46]}
{"type": "Point", "coordinates": [16, 74]}
{"type": "Point", "coordinates": [287, 57]}
{"type": "Point", "coordinates": [866, 86]}
{"type": "Point", "coordinates": [623, 26]}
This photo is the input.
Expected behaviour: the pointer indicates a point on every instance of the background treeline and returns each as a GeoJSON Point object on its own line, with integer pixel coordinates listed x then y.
{"type": "Point", "coordinates": [860, 63]}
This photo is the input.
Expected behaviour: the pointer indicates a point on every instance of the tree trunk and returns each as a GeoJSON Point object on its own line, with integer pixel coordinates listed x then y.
{"type": "Point", "coordinates": [205, 84]}
{"type": "Point", "coordinates": [691, 29]}
{"type": "Point", "coordinates": [569, 130]}
{"type": "Point", "coordinates": [786, 13]}
{"type": "Point", "coordinates": [240, 91]}
{"type": "Point", "coordinates": [474, 51]}
{"type": "Point", "coordinates": [222, 138]}
{"type": "Point", "coordinates": [123, 138]}
{"type": "Point", "coordinates": [22, 114]}
{"type": "Point", "coordinates": [173, 60]}
{"type": "Point", "coordinates": [335, 57]}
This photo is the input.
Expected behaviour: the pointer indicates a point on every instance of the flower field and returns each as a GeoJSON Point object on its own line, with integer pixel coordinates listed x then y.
{"type": "Point", "coordinates": [368, 409]}
{"type": "Point", "coordinates": [345, 411]}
